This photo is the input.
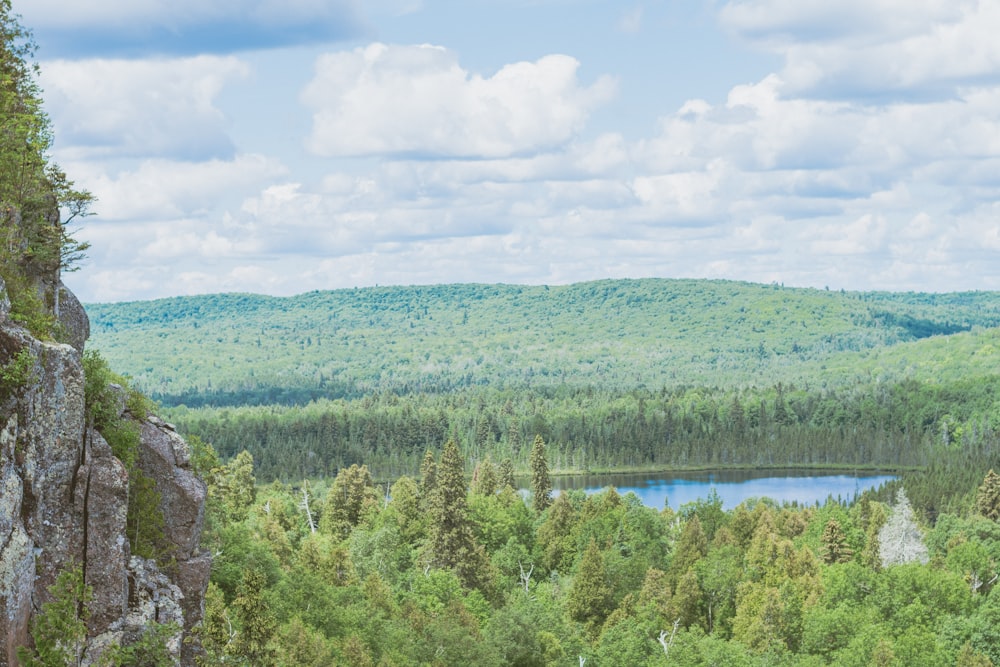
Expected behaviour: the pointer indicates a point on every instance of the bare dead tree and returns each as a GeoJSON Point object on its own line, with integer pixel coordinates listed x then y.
{"type": "Point", "coordinates": [304, 505]}
{"type": "Point", "coordinates": [526, 576]}
{"type": "Point", "coordinates": [667, 643]}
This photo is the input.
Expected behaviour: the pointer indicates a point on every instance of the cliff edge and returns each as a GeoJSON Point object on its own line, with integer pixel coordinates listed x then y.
{"type": "Point", "coordinates": [64, 499]}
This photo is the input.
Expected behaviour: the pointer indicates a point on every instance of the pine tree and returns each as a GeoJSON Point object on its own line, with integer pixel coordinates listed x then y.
{"type": "Point", "coordinates": [352, 492]}
{"type": "Point", "coordinates": [988, 497]}
{"type": "Point", "coordinates": [257, 626]}
{"type": "Point", "coordinates": [554, 536]}
{"type": "Point", "coordinates": [60, 629]}
{"type": "Point", "coordinates": [484, 479]}
{"type": "Point", "coordinates": [691, 547]}
{"type": "Point", "coordinates": [589, 600]}
{"type": "Point", "coordinates": [835, 548]}
{"type": "Point", "coordinates": [688, 599]}
{"type": "Point", "coordinates": [302, 646]}
{"type": "Point", "coordinates": [453, 544]}
{"type": "Point", "coordinates": [236, 487]}
{"type": "Point", "coordinates": [871, 555]}
{"type": "Point", "coordinates": [505, 475]}
{"type": "Point", "coordinates": [215, 630]}
{"type": "Point", "coordinates": [541, 483]}
{"type": "Point", "coordinates": [485, 432]}
{"type": "Point", "coordinates": [428, 476]}
{"type": "Point", "coordinates": [514, 437]}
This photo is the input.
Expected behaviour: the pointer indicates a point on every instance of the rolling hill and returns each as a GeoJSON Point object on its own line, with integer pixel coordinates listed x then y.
{"type": "Point", "coordinates": [240, 349]}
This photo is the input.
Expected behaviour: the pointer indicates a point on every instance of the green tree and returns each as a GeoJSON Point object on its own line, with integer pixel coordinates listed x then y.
{"type": "Point", "coordinates": [216, 629]}
{"type": "Point", "coordinates": [299, 645]}
{"type": "Point", "coordinates": [589, 600]}
{"type": "Point", "coordinates": [452, 542]}
{"type": "Point", "coordinates": [253, 642]}
{"type": "Point", "coordinates": [428, 476]}
{"type": "Point", "coordinates": [988, 496]}
{"type": "Point", "coordinates": [760, 622]}
{"type": "Point", "coordinates": [505, 474]}
{"type": "Point", "coordinates": [719, 575]}
{"type": "Point", "coordinates": [236, 487]}
{"type": "Point", "coordinates": [541, 483]}
{"type": "Point", "coordinates": [152, 649]}
{"type": "Point", "coordinates": [555, 535]}
{"type": "Point", "coordinates": [484, 478]}
{"type": "Point", "coordinates": [969, 657]}
{"type": "Point", "coordinates": [405, 506]}
{"type": "Point", "coordinates": [688, 599]}
{"type": "Point", "coordinates": [60, 629]}
{"type": "Point", "coordinates": [691, 547]}
{"type": "Point", "coordinates": [835, 548]}
{"type": "Point", "coordinates": [353, 491]}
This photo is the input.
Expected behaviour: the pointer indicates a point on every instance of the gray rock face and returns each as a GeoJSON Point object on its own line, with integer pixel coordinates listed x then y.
{"type": "Point", "coordinates": [64, 502]}
{"type": "Point", "coordinates": [51, 437]}
{"type": "Point", "coordinates": [17, 560]}
{"type": "Point", "coordinates": [152, 598]}
{"type": "Point", "coordinates": [164, 456]}
{"type": "Point", "coordinates": [103, 493]}
{"type": "Point", "coordinates": [73, 318]}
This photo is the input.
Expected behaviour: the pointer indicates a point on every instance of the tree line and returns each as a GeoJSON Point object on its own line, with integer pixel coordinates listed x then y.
{"type": "Point", "coordinates": [910, 424]}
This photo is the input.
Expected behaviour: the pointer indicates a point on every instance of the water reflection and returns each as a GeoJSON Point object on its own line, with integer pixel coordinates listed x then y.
{"type": "Point", "coordinates": [733, 486]}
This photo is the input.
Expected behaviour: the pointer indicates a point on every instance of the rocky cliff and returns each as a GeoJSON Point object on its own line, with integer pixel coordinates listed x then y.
{"type": "Point", "coordinates": [64, 498]}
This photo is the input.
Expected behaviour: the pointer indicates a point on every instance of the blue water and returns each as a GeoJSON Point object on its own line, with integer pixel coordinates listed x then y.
{"type": "Point", "coordinates": [733, 486]}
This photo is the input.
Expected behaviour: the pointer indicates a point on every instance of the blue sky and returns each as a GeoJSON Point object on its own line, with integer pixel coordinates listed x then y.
{"type": "Point", "coordinates": [280, 146]}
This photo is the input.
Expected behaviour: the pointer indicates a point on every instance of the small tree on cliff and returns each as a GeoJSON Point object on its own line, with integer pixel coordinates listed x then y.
{"type": "Point", "coordinates": [541, 483]}
{"type": "Point", "coordinates": [35, 244]}
{"type": "Point", "coordinates": [60, 630]}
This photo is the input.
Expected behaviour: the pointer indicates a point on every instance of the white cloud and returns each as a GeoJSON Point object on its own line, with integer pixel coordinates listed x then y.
{"type": "Point", "coordinates": [418, 100]}
{"type": "Point", "coordinates": [163, 190]}
{"type": "Point", "coordinates": [874, 48]}
{"type": "Point", "coordinates": [871, 160]}
{"type": "Point", "coordinates": [142, 108]}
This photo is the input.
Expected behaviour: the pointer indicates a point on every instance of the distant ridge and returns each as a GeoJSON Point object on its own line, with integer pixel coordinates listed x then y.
{"type": "Point", "coordinates": [249, 349]}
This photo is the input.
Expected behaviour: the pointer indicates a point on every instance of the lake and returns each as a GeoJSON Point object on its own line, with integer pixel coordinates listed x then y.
{"type": "Point", "coordinates": [733, 486]}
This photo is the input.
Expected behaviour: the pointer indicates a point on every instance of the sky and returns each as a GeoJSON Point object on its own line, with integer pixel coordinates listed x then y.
{"type": "Point", "coordinates": [283, 146]}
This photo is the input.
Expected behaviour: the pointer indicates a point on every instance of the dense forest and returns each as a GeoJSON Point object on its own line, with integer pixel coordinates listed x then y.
{"type": "Point", "coordinates": [438, 572]}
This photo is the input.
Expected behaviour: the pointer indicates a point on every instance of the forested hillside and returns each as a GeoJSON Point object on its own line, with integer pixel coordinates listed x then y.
{"type": "Point", "coordinates": [612, 374]}
{"type": "Point", "coordinates": [239, 349]}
